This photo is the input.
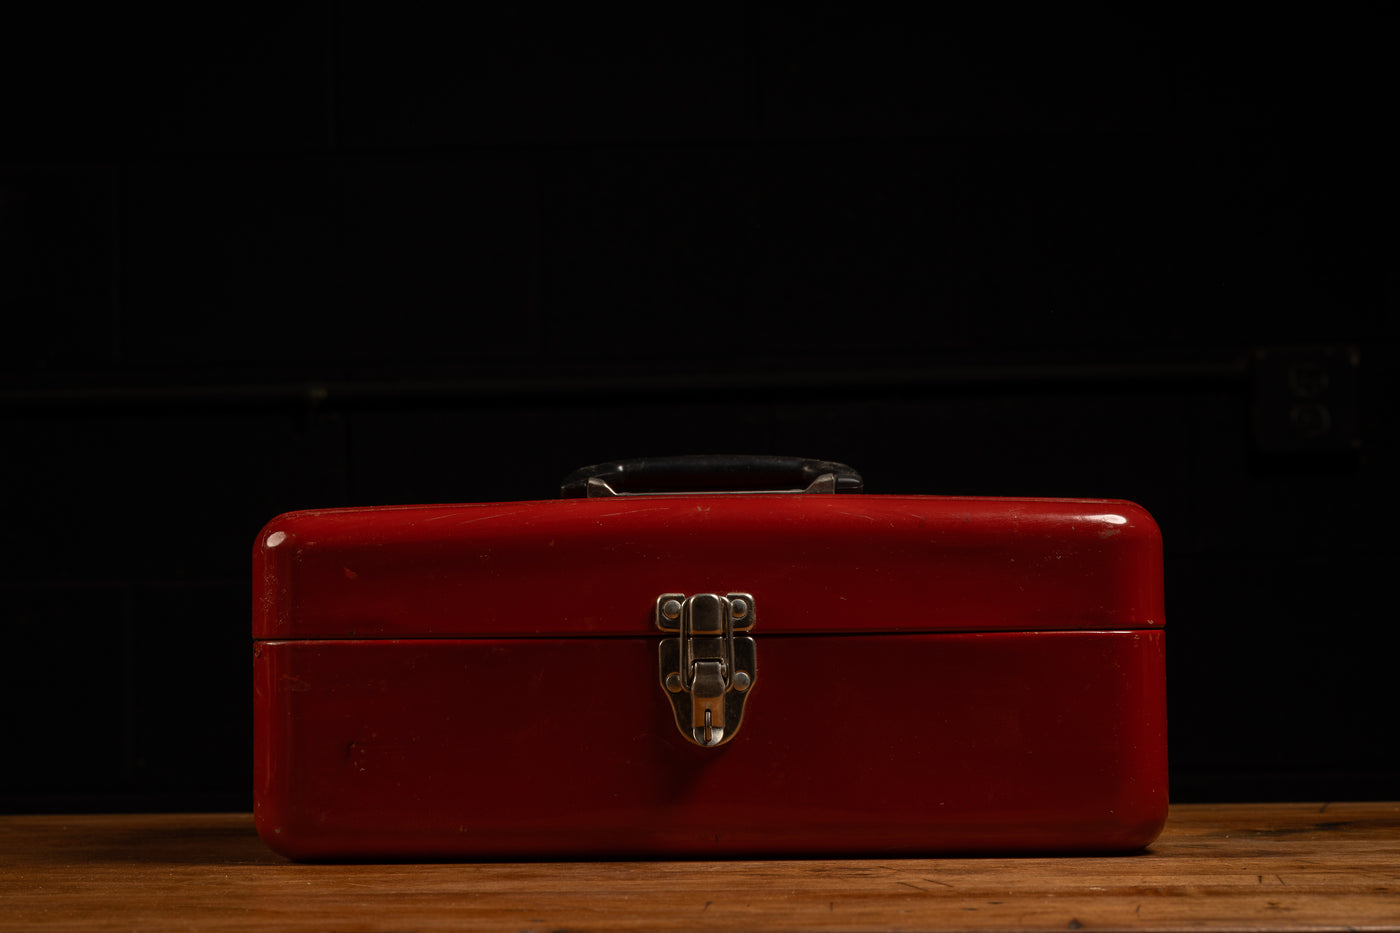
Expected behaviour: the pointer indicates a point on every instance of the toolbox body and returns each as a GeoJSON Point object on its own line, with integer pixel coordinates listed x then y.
{"type": "Point", "coordinates": [751, 674]}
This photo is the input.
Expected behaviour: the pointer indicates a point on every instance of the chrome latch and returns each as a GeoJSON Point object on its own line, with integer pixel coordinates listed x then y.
{"type": "Point", "coordinates": [705, 669]}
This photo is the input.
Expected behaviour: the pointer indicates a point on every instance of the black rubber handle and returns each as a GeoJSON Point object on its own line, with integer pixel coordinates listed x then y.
{"type": "Point", "coordinates": [709, 473]}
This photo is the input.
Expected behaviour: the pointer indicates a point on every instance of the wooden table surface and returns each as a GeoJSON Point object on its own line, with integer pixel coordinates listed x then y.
{"type": "Point", "coordinates": [1239, 867]}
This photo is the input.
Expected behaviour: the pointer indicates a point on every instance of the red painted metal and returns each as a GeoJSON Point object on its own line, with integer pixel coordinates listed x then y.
{"type": "Point", "coordinates": [934, 675]}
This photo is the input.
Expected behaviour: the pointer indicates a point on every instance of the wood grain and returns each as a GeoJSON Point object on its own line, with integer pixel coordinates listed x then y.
{"type": "Point", "coordinates": [1239, 867]}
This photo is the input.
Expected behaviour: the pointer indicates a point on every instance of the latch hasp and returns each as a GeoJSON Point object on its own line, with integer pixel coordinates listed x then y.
{"type": "Point", "coordinates": [707, 670]}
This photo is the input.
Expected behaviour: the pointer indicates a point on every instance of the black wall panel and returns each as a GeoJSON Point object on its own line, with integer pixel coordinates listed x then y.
{"type": "Point", "coordinates": [316, 254]}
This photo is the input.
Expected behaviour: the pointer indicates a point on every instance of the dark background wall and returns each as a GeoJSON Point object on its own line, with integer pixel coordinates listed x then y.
{"type": "Point", "coordinates": [258, 257]}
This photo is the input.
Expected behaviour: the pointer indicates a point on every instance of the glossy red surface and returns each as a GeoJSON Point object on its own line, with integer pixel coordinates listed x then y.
{"type": "Point", "coordinates": [565, 747]}
{"type": "Point", "coordinates": [934, 675]}
{"type": "Point", "coordinates": [822, 564]}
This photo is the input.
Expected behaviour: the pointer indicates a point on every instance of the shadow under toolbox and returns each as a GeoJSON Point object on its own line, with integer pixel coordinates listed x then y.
{"type": "Point", "coordinates": [633, 672]}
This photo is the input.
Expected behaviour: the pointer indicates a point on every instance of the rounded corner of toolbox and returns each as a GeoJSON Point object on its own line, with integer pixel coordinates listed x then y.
{"type": "Point", "coordinates": [1143, 825]}
{"type": "Point", "coordinates": [279, 837]}
{"type": "Point", "coordinates": [279, 532]}
{"type": "Point", "coordinates": [1137, 518]}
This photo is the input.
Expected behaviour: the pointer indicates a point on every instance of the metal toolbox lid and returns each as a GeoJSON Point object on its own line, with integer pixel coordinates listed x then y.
{"type": "Point", "coordinates": [816, 564]}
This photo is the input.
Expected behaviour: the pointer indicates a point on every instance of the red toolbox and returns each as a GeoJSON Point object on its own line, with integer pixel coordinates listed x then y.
{"type": "Point", "coordinates": [632, 671]}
